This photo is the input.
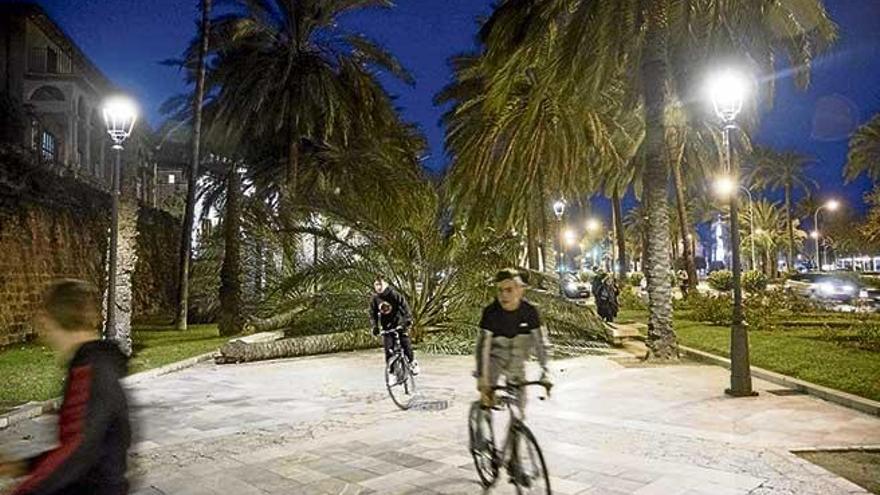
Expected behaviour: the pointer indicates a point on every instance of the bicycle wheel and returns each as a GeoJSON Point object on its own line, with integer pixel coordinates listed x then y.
{"type": "Point", "coordinates": [482, 444]}
{"type": "Point", "coordinates": [529, 472]}
{"type": "Point", "coordinates": [403, 389]}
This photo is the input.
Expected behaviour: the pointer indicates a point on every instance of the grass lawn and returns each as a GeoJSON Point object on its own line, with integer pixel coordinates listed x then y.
{"type": "Point", "coordinates": [862, 468]}
{"type": "Point", "coordinates": [30, 371]}
{"type": "Point", "coordinates": [800, 352]}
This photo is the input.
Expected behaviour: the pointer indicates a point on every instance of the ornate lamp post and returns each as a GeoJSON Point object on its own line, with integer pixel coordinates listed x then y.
{"type": "Point", "coordinates": [559, 210]}
{"type": "Point", "coordinates": [727, 90]}
{"type": "Point", "coordinates": [830, 205]}
{"type": "Point", "coordinates": [120, 114]}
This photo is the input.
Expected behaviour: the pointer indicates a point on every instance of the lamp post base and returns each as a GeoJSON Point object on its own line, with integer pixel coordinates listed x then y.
{"type": "Point", "coordinates": [740, 393]}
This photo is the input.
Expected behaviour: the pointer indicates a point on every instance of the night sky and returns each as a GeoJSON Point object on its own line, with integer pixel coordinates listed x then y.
{"type": "Point", "coordinates": [127, 39]}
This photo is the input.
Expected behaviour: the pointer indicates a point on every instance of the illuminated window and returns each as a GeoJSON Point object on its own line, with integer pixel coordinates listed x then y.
{"type": "Point", "coordinates": [48, 146]}
{"type": "Point", "coordinates": [171, 178]}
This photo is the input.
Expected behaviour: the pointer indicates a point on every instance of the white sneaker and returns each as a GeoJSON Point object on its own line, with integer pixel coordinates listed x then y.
{"type": "Point", "coordinates": [414, 367]}
{"type": "Point", "coordinates": [392, 379]}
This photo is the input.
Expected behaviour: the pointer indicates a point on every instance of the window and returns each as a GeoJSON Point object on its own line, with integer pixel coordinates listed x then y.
{"type": "Point", "coordinates": [47, 93]}
{"type": "Point", "coordinates": [51, 61]}
{"type": "Point", "coordinates": [48, 146]}
{"type": "Point", "coordinates": [171, 179]}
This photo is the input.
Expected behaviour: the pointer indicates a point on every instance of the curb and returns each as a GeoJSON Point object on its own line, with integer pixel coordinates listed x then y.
{"type": "Point", "coordinates": [845, 399]}
{"type": "Point", "coordinates": [32, 410]}
{"type": "Point", "coordinates": [836, 448]}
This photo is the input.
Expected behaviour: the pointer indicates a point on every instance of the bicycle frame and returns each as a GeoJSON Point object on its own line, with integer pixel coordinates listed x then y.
{"type": "Point", "coordinates": [513, 403]}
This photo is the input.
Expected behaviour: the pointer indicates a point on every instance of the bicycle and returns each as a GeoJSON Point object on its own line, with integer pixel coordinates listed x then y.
{"type": "Point", "coordinates": [520, 454]}
{"type": "Point", "coordinates": [398, 368]}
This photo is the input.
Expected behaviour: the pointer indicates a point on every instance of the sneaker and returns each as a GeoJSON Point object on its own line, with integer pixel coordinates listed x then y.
{"type": "Point", "coordinates": [414, 368]}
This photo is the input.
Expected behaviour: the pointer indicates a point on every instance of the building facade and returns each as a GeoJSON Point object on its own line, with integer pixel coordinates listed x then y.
{"type": "Point", "coordinates": [58, 93]}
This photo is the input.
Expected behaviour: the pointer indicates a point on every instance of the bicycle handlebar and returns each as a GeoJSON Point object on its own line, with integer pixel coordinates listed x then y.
{"type": "Point", "coordinates": [393, 330]}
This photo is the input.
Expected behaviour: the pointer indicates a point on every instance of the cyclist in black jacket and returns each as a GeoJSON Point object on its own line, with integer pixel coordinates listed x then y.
{"type": "Point", "coordinates": [396, 314]}
{"type": "Point", "coordinates": [94, 433]}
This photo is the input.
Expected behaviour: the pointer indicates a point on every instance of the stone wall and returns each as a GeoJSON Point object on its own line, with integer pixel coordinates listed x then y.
{"type": "Point", "coordinates": [155, 275]}
{"type": "Point", "coordinates": [55, 227]}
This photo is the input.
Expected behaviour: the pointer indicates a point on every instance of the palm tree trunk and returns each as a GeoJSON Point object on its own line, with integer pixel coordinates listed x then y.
{"type": "Point", "coordinates": [540, 211]}
{"type": "Point", "coordinates": [689, 265]}
{"type": "Point", "coordinates": [790, 222]}
{"type": "Point", "coordinates": [231, 321]}
{"type": "Point", "coordinates": [661, 341]}
{"type": "Point", "coordinates": [532, 241]}
{"type": "Point", "coordinates": [185, 252]}
{"type": "Point", "coordinates": [617, 211]}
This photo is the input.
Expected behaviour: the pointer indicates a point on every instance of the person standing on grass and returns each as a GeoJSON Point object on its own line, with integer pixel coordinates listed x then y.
{"type": "Point", "coordinates": [94, 432]}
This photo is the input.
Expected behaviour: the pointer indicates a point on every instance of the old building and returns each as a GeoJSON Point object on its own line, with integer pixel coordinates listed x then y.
{"type": "Point", "coordinates": [57, 93]}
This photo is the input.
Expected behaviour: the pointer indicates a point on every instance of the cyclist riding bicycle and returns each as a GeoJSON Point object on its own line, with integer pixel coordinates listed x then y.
{"type": "Point", "coordinates": [510, 332]}
{"type": "Point", "coordinates": [388, 310]}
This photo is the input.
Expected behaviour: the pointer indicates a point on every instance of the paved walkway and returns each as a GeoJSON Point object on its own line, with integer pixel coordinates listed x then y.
{"type": "Point", "coordinates": [324, 425]}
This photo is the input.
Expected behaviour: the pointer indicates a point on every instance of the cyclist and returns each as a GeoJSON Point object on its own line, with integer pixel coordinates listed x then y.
{"type": "Point", "coordinates": [510, 331]}
{"type": "Point", "coordinates": [388, 310]}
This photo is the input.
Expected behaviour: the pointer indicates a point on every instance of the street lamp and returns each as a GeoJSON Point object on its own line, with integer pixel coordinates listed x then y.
{"type": "Point", "coordinates": [727, 91]}
{"type": "Point", "coordinates": [120, 114]}
{"type": "Point", "coordinates": [570, 237]}
{"type": "Point", "coordinates": [594, 225]}
{"type": "Point", "coordinates": [725, 186]}
{"type": "Point", "coordinates": [559, 210]}
{"type": "Point", "coordinates": [830, 205]}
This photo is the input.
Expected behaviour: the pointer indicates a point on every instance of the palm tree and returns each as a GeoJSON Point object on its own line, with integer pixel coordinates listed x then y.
{"type": "Point", "coordinates": [782, 170]}
{"type": "Point", "coordinates": [864, 152]}
{"type": "Point", "coordinates": [770, 232]}
{"type": "Point", "coordinates": [286, 71]}
{"type": "Point", "coordinates": [663, 47]}
{"type": "Point", "coordinates": [185, 255]}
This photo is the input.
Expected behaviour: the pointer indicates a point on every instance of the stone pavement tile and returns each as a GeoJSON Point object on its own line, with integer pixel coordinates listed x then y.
{"type": "Point", "coordinates": [355, 475]}
{"type": "Point", "coordinates": [299, 473]}
{"type": "Point", "coordinates": [334, 486]}
{"type": "Point", "coordinates": [567, 487]}
{"type": "Point", "coordinates": [388, 481]}
{"type": "Point", "coordinates": [457, 460]}
{"type": "Point", "coordinates": [262, 479]}
{"type": "Point", "coordinates": [608, 482]}
{"type": "Point", "coordinates": [666, 485]}
{"type": "Point", "coordinates": [640, 475]}
{"type": "Point", "coordinates": [364, 462]}
{"type": "Point", "coordinates": [432, 467]}
{"type": "Point", "coordinates": [403, 459]}
{"type": "Point", "coordinates": [383, 468]}
{"type": "Point", "coordinates": [713, 489]}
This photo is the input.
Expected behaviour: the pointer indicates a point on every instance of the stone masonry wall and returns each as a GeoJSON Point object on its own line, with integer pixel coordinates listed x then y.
{"type": "Point", "coordinates": [155, 275]}
{"type": "Point", "coordinates": [55, 227]}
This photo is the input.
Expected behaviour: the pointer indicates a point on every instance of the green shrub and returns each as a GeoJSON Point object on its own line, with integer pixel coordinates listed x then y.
{"type": "Point", "coordinates": [635, 279]}
{"type": "Point", "coordinates": [710, 308]}
{"type": "Point", "coordinates": [630, 299]}
{"type": "Point", "coordinates": [754, 281]}
{"type": "Point", "coordinates": [721, 280]}
{"type": "Point", "coordinates": [868, 336]}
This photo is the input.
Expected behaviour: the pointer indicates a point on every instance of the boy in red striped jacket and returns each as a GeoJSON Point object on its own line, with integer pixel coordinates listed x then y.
{"type": "Point", "coordinates": [93, 426]}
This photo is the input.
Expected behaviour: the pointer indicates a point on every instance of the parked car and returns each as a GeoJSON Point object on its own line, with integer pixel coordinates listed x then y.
{"type": "Point", "coordinates": [824, 287]}
{"type": "Point", "coordinates": [572, 288]}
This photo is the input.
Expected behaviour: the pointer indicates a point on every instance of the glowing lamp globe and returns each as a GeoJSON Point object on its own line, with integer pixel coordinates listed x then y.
{"type": "Point", "coordinates": [120, 114]}
{"type": "Point", "coordinates": [727, 90]}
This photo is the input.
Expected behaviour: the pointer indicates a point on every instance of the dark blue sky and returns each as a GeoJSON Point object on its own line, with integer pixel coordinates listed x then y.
{"type": "Point", "coordinates": [127, 39]}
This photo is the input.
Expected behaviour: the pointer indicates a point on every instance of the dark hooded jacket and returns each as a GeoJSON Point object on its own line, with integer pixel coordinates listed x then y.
{"type": "Point", "coordinates": [93, 429]}
{"type": "Point", "coordinates": [400, 314]}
